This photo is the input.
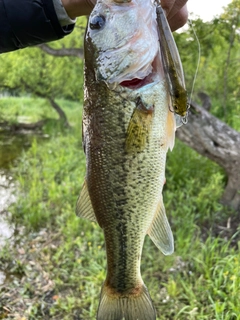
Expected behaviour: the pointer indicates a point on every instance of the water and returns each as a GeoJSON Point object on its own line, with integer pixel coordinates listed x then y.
{"type": "Point", "coordinates": [11, 146]}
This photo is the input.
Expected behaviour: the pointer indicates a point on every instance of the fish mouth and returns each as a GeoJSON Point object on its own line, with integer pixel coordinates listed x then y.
{"type": "Point", "coordinates": [137, 83]}
{"type": "Point", "coordinates": [155, 76]}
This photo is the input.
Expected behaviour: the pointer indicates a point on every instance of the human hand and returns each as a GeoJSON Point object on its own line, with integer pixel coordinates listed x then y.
{"type": "Point", "coordinates": [76, 8]}
{"type": "Point", "coordinates": [176, 12]}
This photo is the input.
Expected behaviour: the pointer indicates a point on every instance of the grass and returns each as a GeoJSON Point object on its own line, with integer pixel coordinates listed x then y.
{"type": "Point", "coordinates": [57, 265]}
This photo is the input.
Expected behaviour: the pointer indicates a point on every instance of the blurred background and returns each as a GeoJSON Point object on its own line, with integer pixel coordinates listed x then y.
{"type": "Point", "coordinates": [52, 264]}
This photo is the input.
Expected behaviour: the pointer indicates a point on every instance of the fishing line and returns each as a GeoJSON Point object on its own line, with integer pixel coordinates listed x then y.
{"type": "Point", "coordinates": [199, 57]}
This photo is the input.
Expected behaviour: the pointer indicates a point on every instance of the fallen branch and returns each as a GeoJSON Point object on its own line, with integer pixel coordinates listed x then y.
{"type": "Point", "coordinates": [63, 52]}
{"type": "Point", "coordinates": [215, 140]}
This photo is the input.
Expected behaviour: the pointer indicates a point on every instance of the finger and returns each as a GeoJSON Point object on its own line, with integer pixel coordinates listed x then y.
{"type": "Point", "coordinates": [179, 19]}
{"type": "Point", "coordinates": [171, 7]}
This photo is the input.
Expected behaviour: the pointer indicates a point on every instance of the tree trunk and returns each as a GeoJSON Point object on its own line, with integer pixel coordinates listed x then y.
{"type": "Point", "coordinates": [214, 139]}
{"type": "Point", "coordinates": [61, 113]}
{"type": "Point", "coordinates": [56, 107]}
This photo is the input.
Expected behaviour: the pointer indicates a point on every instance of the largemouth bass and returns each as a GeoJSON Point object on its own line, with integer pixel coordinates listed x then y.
{"type": "Point", "coordinates": [127, 131]}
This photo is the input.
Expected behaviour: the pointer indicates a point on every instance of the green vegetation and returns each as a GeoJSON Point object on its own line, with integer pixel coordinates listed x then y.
{"type": "Point", "coordinates": [33, 71]}
{"type": "Point", "coordinates": [57, 263]}
{"type": "Point", "coordinates": [219, 71]}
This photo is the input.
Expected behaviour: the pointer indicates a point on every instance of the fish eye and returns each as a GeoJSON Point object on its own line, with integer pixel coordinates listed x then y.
{"type": "Point", "coordinates": [97, 22]}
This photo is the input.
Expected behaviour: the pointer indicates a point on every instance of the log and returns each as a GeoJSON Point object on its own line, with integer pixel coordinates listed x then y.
{"type": "Point", "coordinates": [214, 139]}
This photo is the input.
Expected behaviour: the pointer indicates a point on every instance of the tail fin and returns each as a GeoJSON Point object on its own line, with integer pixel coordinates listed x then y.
{"type": "Point", "coordinates": [131, 306]}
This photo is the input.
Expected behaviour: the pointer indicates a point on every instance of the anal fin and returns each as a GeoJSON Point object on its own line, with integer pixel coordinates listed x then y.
{"type": "Point", "coordinates": [84, 208]}
{"type": "Point", "coordinates": [160, 231]}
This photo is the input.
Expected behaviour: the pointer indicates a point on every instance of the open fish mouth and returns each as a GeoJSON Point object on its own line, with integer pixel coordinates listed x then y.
{"type": "Point", "coordinates": [137, 83]}
{"type": "Point", "coordinates": [155, 76]}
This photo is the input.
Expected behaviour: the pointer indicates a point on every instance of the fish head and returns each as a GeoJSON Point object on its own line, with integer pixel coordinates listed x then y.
{"type": "Point", "coordinates": [121, 41]}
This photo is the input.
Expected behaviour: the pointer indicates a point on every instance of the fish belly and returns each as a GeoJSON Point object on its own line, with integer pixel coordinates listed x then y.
{"type": "Point", "coordinates": [125, 187]}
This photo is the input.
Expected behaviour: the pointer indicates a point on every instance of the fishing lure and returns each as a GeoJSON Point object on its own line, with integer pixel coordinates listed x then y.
{"type": "Point", "coordinates": [172, 66]}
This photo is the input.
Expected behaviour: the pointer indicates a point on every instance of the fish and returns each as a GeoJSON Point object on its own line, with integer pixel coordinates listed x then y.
{"type": "Point", "coordinates": [172, 67]}
{"type": "Point", "coordinates": [127, 130]}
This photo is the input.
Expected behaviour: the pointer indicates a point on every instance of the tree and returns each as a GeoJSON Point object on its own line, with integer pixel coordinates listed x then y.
{"type": "Point", "coordinates": [53, 70]}
{"type": "Point", "coordinates": [35, 71]}
{"type": "Point", "coordinates": [219, 71]}
{"type": "Point", "coordinates": [214, 135]}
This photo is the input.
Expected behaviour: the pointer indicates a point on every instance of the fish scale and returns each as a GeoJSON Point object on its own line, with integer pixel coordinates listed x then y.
{"type": "Point", "coordinates": [126, 135]}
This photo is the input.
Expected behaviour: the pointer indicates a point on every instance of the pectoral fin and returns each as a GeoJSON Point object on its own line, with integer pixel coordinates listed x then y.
{"type": "Point", "coordinates": [160, 231]}
{"type": "Point", "coordinates": [139, 127]}
{"type": "Point", "coordinates": [84, 207]}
